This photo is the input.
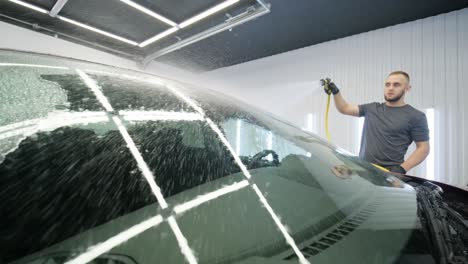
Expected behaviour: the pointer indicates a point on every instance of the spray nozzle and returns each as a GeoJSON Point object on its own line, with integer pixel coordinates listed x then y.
{"type": "Point", "coordinates": [326, 85]}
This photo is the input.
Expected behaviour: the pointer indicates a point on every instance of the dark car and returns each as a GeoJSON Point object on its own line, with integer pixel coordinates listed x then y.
{"type": "Point", "coordinates": [105, 165]}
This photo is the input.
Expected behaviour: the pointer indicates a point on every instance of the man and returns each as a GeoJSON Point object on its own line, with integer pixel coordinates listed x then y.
{"type": "Point", "coordinates": [389, 127]}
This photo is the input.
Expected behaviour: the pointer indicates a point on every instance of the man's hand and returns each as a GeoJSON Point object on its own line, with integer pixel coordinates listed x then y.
{"type": "Point", "coordinates": [341, 105]}
{"type": "Point", "coordinates": [398, 169]}
{"type": "Point", "coordinates": [420, 153]}
{"type": "Point", "coordinates": [329, 87]}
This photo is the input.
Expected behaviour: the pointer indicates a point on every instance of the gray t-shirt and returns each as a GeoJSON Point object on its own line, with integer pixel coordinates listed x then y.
{"type": "Point", "coordinates": [388, 132]}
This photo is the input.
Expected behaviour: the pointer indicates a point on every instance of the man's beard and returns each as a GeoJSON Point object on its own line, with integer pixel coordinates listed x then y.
{"type": "Point", "coordinates": [395, 99]}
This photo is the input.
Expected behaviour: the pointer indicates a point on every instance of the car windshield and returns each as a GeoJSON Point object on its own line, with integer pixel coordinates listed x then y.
{"type": "Point", "coordinates": [100, 164]}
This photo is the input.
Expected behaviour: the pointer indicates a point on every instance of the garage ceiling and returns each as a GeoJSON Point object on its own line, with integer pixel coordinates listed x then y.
{"type": "Point", "coordinates": [290, 25]}
{"type": "Point", "coordinates": [142, 30]}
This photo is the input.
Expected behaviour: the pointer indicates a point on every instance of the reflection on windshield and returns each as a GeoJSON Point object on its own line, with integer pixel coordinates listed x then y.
{"type": "Point", "coordinates": [142, 167]}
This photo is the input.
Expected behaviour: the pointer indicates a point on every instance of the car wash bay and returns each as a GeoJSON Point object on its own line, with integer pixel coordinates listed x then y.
{"type": "Point", "coordinates": [268, 53]}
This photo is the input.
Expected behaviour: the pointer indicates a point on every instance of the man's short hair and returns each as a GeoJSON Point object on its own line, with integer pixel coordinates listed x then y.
{"type": "Point", "coordinates": [400, 73]}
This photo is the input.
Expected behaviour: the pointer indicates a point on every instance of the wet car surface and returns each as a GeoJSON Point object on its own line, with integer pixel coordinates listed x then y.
{"type": "Point", "coordinates": [104, 165]}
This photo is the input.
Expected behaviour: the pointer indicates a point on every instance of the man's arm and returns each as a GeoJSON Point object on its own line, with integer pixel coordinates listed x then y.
{"type": "Point", "coordinates": [418, 156]}
{"type": "Point", "coordinates": [341, 105]}
{"type": "Point", "coordinates": [344, 107]}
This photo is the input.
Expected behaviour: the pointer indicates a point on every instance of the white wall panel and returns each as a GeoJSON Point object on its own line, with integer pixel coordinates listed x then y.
{"type": "Point", "coordinates": [451, 82]}
{"type": "Point", "coordinates": [433, 50]}
{"type": "Point", "coordinates": [462, 126]}
{"type": "Point", "coordinates": [438, 80]}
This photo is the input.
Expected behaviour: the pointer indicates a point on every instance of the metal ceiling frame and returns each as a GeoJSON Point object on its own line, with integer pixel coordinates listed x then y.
{"type": "Point", "coordinates": [61, 3]}
{"type": "Point", "coordinates": [229, 23]}
{"type": "Point", "coordinates": [250, 14]}
{"type": "Point", "coordinates": [188, 22]}
{"type": "Point", "coordinates": [57, 7]}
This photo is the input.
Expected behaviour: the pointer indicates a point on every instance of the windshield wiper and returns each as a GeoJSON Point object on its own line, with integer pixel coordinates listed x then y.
{"type": "Point", "coordinates": [438, 218]}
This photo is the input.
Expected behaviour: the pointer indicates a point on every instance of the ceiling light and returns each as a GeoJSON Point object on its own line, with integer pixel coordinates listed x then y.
{"type": "Point", "coordinates": [97, 250]}
{"type": "Point", "coordinates": [29, 6]}
{"type": "Point", "coordinates": [160, 115]}
{"type": "Point", "coordinates": [102, 32]}
{"type": "Point", "coordinates": [149, 12]}
{"type": "Point", "coordinates": [204, 198]}
{"type": "Point", "coordinates": [32, 65]}
{"type": "Point", "coordinates": [96, 90]}
{"type": "Point", "coordinates": [207, 13]}
{"type": "Point", "coordinates": [158, 37]}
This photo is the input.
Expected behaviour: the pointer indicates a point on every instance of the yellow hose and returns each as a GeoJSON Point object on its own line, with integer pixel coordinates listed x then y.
{"type": "Point", "coordinates": [380, 167]}
{"type": "Point", "coordinates": [326, 119]}
{"type": "Point", "coordinates": [328, 131]}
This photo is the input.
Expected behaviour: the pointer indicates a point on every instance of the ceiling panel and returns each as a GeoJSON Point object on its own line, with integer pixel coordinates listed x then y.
{"type": "Point", "coordinates": [292, 24]}
{"type": "Point", "coordinates": [46, 4]}
{"type": "Point", "coordinates": [178, 10]}
{"type": "Point", "coordinates": [39, 20]}
{"type": "Point", "coordinates": [115, 17]}
{"type": "Point", "coordinates": [289, 27]}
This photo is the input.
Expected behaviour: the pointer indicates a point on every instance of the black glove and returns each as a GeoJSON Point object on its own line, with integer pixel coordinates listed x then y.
{"type": "Point", "coordinates": [329, 87]}
{"type": "Point", "coordinates": [398, 169]}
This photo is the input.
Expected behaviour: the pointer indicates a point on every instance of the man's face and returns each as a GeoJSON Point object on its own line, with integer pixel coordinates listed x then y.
{"type": "Point", "coordinates": [395, 87]}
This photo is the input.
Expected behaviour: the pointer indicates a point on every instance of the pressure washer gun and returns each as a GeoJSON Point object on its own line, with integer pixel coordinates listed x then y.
{"type": "Point", "coordinates": [329, 87]}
